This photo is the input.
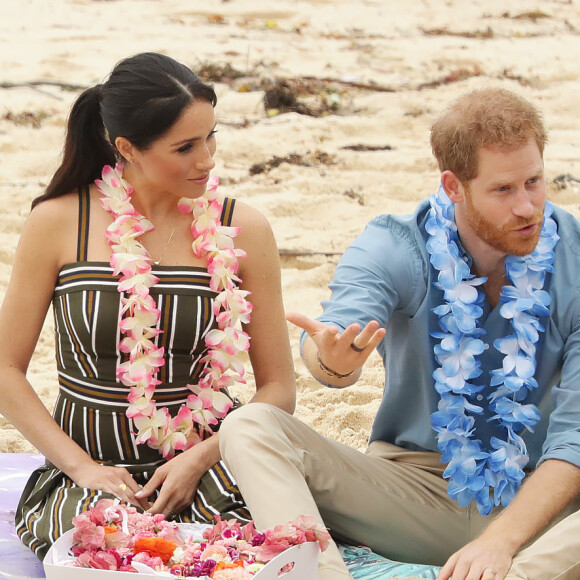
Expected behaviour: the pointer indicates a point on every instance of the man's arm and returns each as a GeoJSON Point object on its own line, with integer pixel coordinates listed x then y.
{"type": "Point", "coordinates": [541, 498]}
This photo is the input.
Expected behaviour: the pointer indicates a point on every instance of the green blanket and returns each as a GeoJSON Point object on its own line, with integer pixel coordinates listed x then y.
{"type": "Point", "coordinates": [364, 564]}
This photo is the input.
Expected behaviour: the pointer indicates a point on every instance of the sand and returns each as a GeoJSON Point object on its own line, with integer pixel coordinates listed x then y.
{"type": "Point", "coordinates": [386, 68]}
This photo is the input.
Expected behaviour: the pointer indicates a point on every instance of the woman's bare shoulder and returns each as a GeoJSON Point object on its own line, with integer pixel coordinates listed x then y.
{"type": "Point", "coordinates": [52, 227]}
{"type": "Point", "coordinates": [246, 216]}
{"type": "Point", "coordinates": [59, 210]}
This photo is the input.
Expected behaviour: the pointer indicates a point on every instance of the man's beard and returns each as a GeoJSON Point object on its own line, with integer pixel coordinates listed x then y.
{"type": "Point", "coordinates": [502, 237]}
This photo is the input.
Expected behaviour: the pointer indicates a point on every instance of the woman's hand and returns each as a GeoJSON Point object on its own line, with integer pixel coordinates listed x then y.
{"type": "Point", "coordinates": [343, 352]}
{"type": "Point", "coordinates": [115, 480]}
{"type": "Point", "coordinates": [178, 479]}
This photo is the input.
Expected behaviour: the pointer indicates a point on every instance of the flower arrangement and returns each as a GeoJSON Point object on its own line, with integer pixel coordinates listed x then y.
{"type": "Point", "coordinates": [114, 536]}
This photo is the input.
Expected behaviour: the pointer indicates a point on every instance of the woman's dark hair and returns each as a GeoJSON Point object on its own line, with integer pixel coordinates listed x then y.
{"type": "Point", "coordinates": [141, 100]}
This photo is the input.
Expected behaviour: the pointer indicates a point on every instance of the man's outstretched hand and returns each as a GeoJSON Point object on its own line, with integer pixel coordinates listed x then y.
{"type": "Point", "coordinates": [344, 351]}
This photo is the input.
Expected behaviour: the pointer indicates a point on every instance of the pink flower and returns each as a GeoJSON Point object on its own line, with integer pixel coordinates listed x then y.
{"type": "Point", "coordinates": [212, 184]}
{"type": "Point", "coordinates": [170, 442]}
{"type": "Point", "coordinates": [108, 560]}
{"type": "Point", "coordinates": [216, 374]}
{"type": "Point", "coordinates": [145, 558]}
{"type": "Point", "coordinates": [207, 219]}
{"type": "Point", "coordinates": [249, 531]}
{"type": "Point", "coordinates": [233, 306]}
{"type": "Point", "coordinates": [237, 573]}
{"type": "Point", "coordinates": [226, 361]}
{"type": "Point", "coordinates": [150, 427]}
{"type": "Point", "coordinates": [129, 264]}
{"type": "Point", "coordinates": [89, 536]}
{"type": "Point", "coordinates": [202, 412]}
{"type": "Point", "coordinates": [134, 303]}
{"type": "Point", "coordinates": [185, 205]}
{"type": "Point", "coordinates": [272, 547]}
{"type": "Point", "coordinates": [214, 552]}
{"type": "Point", "coordinates": [138, 283]}
{"type": "Point", "coordinates": [150, 360]}
{"type": "Point", "coordinates": [112, 184]}
{"type": "Point", "coordinates": [230, 340]}
{"type": "Point", "coordinates": [117, 540]}
{"type": "Point", "coordinates": [216, 400]}
{"type": "Point", "coordinates": [141, 407]}
{"type": "Point", "coordinates": [222, 239]}
{"type": "Point", "coordinates": [139, 325]}
{"type": "Point", "coordinates": [313, 531]}
{"type": "Point", "coordinates": [223, 272]}
{"type": "Point", "coordinates": [223, 529]}
{"type": "Point", "coordinates": [135, 373]}
{"type": "Point", "coordinates": [201, 245]}
{"type": "Point", "coordinates": [218, 380]}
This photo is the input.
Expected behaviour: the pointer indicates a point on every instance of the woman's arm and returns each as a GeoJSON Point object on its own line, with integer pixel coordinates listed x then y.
{"type": "Point", "coordinates": [270, 352]}
{"type": "Point", "coordinates": [48, 240]}
{"type": "Point", "coordinates": [24, 309]}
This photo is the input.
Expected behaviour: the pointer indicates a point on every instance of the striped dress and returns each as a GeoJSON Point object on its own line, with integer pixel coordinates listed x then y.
{"type": "Point", "coordinates": [91, 403]}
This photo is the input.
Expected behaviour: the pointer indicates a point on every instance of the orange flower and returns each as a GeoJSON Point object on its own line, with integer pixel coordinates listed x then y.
{"type": "Point", "coordinates": [110, 529]}
{"type": "Point", "coordinates": [226, 565]}
{"type": "Point", "coordinates": [159, 547]}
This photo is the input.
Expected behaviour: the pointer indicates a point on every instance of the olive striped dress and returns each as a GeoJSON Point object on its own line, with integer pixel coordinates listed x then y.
{"type": "Point", "coordinates": [91, 403]}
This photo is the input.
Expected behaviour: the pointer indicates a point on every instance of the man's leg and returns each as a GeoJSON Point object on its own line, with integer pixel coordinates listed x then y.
{"type": "Point", "coordinates": [555, 555]}
{"type": "Point", "coordinates": [285, 469]}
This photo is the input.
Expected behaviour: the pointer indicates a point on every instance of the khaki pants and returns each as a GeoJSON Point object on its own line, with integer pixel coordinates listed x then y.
{"type": "Point", "coordinates": [392, 500]}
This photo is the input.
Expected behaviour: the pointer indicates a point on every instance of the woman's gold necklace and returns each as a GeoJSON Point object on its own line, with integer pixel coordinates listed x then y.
{"type": "Point", "coordinates": [157, 262]}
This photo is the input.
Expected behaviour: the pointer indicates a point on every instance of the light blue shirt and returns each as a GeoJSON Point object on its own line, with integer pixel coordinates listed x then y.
{"type": "Point", "coordinates": [385, 275]}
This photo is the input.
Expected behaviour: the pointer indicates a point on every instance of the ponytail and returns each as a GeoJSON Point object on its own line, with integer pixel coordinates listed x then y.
{"type": "Point", "coordinates": [86, 149]}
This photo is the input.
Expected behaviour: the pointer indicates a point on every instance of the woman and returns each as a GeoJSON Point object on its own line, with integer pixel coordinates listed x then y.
{"type": "Point", "coordinates": [148, 271]}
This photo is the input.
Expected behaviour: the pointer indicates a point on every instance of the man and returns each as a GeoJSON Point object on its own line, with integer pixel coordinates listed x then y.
{"type": "Point", "coordinates": [473, 304]}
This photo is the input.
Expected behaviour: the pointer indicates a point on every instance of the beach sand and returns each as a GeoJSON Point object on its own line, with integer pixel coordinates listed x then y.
{"type": "Point", "coordinates": [372, 73]}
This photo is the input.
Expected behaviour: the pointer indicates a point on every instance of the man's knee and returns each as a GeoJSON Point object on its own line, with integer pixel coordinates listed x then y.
{"type": "Point", "coordinates": [246, 421]}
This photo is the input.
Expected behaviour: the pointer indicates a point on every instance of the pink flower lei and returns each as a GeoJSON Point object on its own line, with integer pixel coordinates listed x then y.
{"type": "Point", "coordinates": [139, 317]}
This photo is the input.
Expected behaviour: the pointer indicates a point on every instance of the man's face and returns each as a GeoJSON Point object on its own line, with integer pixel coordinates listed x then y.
{"type": "Point", "coordinates": [504, 204]}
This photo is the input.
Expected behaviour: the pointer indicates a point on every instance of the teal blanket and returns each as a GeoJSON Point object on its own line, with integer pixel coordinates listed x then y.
{"type": "Point", "coordinates": [364, 564]}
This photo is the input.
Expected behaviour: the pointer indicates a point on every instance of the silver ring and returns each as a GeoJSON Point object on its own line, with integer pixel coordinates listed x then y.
{"type": "Point", "coordinates": [490, 570]}
{"type": "Point", "coordinates": [356, 348]}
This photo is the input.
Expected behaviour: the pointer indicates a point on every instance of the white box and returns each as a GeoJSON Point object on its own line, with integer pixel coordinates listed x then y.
{"type": "Point", "coordinates": [303, 556]}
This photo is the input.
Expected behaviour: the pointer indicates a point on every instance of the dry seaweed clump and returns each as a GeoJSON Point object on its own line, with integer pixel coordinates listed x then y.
{"type": "Point", "coordinates": [26, 118]}
{"type": "Point", "coordinates": [566, 181]}
{"type": "Point", "coordinates": [309, 159]}
{"type": "Point", "coordinates": [219, 73]}
{"type": "Point", "coordinates": [300, 96]}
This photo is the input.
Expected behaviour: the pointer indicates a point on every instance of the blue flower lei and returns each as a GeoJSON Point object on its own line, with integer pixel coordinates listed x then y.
{"type": "Point", "coordinates": [473, 472]}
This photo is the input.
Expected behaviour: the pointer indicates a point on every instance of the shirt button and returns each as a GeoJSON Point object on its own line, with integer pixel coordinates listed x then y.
{"type": "Point", "coordinates": [479, 397]}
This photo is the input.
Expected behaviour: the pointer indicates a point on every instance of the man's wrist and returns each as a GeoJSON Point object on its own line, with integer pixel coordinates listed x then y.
{"type": "Point", "coordinates": [331, 372]}
{"type": "Point", "coordinates": [507, 533]}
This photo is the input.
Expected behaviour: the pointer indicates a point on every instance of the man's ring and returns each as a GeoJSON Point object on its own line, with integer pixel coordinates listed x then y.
{"type": "Point", "coordinates": [355, 347]}
{"type": "Point", "coordinates": [123, 487]}
{"type": "Point", "coordinates": [491, 570]}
